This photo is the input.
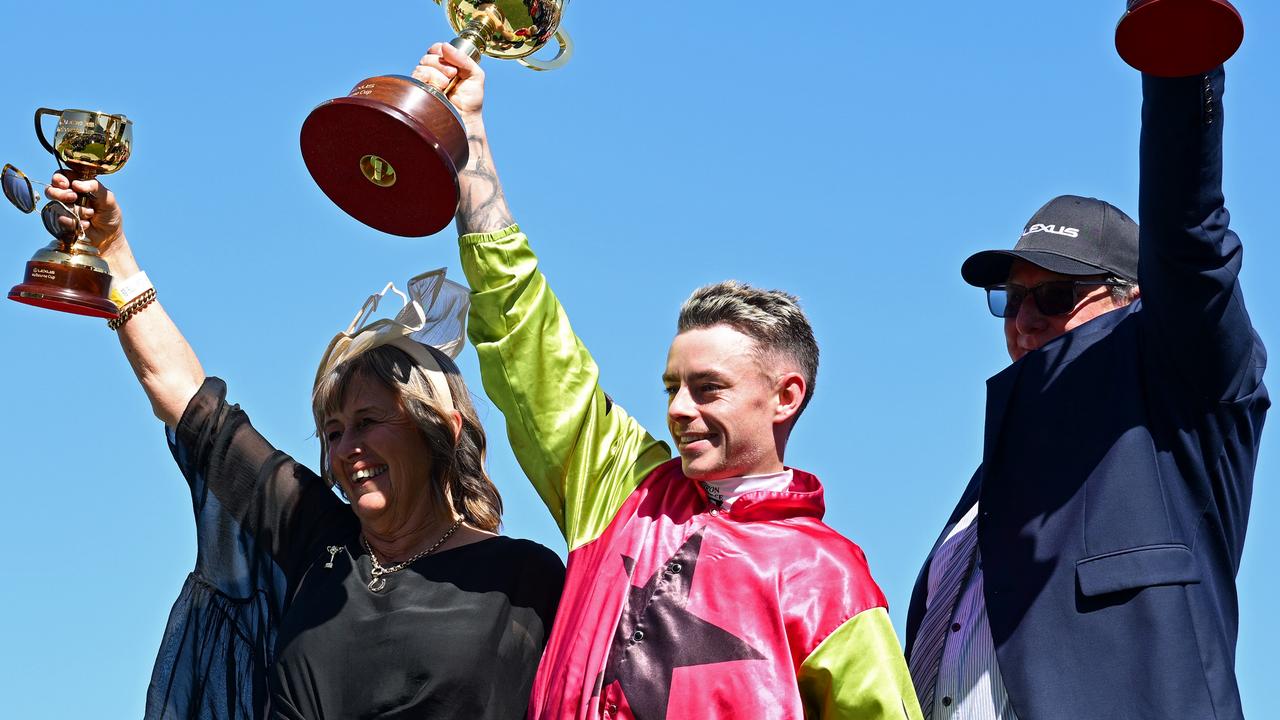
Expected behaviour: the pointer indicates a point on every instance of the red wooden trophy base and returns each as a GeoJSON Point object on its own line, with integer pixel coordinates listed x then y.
{"type": "Point", "coordinates": [66, 288]}
{"type": "Point", "coordinates": [1177, 38]}
{"type": "Point", "coordinates": [413, 136]}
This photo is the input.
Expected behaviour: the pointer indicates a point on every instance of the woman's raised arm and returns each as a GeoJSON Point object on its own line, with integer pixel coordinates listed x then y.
{"type": "Point", "coordinates": [165, 364]}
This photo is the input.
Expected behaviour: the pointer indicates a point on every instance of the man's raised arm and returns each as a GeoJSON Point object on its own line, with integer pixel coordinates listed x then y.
{"type": "Point", "coordinates": [583, 453]}
{"type": "Point", "coordinates": [1189, 260]}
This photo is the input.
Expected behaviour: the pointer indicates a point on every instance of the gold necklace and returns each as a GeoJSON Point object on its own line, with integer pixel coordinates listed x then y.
{"type": "Point", "coordinates": [379, 581]}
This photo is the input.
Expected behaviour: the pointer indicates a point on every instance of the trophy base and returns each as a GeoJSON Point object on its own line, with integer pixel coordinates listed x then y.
{"type": "Point", "coordinates": [66, 288]}
{"type": "Point", "coordinates": [1178, 38]}
{"type": "Point", "coordinates": [388, 155]}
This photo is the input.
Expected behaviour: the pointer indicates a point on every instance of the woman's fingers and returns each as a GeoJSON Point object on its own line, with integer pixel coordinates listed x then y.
{"type": "Point", "coordinates": [63, 195]}
{"type": "Point", "coordinates": [86, 187]}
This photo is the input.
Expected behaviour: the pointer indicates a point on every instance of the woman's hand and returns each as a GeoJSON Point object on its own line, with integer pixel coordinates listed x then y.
{"type": "Point", "coordinates": [101, 222]}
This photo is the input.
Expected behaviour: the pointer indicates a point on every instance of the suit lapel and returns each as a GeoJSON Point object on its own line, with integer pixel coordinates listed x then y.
{"type": "Point", "coordinates": [999, 391]}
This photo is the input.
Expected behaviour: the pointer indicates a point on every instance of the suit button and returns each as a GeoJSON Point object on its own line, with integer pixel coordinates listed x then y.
{"type": "Point", "coordinates": [955, 627]}
{"type": "Point", "coordinates": [946, 701]}
{"type": "Point", "coordinates": [637, 636]}
{"type": "Point", "coordinates": [674, 568]}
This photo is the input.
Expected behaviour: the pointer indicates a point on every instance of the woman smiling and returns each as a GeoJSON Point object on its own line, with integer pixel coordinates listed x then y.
{"type": "Point", "coordinates": [401, 603]}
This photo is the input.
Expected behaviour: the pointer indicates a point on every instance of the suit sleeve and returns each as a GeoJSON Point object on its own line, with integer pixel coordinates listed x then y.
{"type": "Point", "coordinates": [583, 453]}
{"type": "Point", "coordinates": [858, 672]}
{"type": "Point", "coordinates": [1189, 259]}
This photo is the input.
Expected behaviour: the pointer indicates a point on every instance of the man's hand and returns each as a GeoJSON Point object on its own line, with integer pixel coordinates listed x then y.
{"type": "Point", "coordinates": [101, 222]}
{"type": "Point", "coordinates": [482, 206]}
{"type": "Point", "coordinates": [443, 64]}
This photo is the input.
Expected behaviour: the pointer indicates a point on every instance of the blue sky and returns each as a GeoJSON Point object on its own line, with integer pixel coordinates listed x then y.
{"type": "Point", "coordinates": [854, 156]}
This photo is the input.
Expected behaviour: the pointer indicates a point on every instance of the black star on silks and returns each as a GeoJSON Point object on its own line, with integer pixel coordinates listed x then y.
{"type": "Point", "coordinates": [656, 635]}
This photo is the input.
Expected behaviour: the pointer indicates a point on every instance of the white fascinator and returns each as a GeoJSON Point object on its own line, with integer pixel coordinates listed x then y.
{"type": "Point", "coordinates": [434, 313]}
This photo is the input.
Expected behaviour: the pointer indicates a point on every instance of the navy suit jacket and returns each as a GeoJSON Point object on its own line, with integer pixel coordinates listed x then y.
{"type": "Point", "coordinates": [1118, 462]}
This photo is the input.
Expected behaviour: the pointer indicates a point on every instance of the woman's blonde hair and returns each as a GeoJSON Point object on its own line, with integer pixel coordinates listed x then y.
{"type": "Point", "coordinates": [458, 479]}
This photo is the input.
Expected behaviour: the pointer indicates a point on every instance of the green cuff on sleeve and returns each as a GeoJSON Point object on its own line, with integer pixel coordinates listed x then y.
{"type": "Point", "coordinates": [470, 239]}
{"type": "Point", "coordinates": [858, 671]}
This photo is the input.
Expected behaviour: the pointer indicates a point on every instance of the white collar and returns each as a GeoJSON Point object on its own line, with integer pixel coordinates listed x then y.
{"type": "Point", "coordinates": [725, 491]}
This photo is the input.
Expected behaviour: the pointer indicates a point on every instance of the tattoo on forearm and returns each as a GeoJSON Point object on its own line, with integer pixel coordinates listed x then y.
{"type": "Point", "coordinates": [482, 207]}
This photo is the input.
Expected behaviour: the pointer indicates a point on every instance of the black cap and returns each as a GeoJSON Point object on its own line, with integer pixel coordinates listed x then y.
{"type": "Point", "coordinates": [1070, 235]}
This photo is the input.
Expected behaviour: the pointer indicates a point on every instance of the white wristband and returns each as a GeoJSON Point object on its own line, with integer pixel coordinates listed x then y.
{"type": "Point", "coordinates": [125, 291]}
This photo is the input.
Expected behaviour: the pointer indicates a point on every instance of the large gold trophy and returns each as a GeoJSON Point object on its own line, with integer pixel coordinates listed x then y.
{"type": "Point", "coordinates": [389, 153]}
{"type": "Point", "coordinates": [68, 274]}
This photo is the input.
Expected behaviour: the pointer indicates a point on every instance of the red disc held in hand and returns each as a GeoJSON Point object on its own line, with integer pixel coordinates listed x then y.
{"type": "Point", "coordinates": [1177, 38]}
{"type": "Point", "coordinates": [388, 155]}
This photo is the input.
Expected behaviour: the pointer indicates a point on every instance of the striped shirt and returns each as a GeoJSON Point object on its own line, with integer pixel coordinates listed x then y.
{"type": "Point", "coordinates": [969, 682]}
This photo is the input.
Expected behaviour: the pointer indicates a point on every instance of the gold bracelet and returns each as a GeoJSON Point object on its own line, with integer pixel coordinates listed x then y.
{"type": "Point", "coordinates": [134, 307]}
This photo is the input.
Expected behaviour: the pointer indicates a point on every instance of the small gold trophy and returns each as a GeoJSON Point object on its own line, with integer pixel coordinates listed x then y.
{"type": "Point", "coordinates": [389, 153]}
{"type": "Point", "coordinates": [68, 274]}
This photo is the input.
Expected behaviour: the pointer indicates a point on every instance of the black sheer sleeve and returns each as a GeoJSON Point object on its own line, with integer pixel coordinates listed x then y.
{"type": "Point", "coordinates": [259, 518]}
{"type": "Point", "coordinates": [251, 500]}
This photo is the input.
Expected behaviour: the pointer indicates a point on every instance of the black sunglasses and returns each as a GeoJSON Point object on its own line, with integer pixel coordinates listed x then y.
{"type": "Point", "coordinates": [1055, 297]}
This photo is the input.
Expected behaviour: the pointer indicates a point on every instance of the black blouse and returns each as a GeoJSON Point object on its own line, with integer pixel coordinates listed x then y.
{"type": "Point", "coordinates": [456, 634]}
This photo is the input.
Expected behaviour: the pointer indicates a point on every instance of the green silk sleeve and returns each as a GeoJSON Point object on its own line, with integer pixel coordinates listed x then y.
{"type": "Point", "coordinates": [858, 672]}
{"type": "Point", "coordinates": [583, 453]}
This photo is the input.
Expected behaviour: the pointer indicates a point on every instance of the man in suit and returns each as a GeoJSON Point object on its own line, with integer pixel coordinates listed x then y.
{"type": "Point", "coordinates": [1088, 570]}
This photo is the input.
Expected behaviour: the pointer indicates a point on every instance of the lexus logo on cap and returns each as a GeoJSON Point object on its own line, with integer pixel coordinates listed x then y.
{"type": "Point", "coordinates": [1053, 229]}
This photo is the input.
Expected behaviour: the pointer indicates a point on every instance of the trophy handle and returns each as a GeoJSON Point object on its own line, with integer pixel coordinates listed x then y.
{"type": "Point", "coordinates": [40, 131]}
{"type": "Point", "coordinates": [562, 57]}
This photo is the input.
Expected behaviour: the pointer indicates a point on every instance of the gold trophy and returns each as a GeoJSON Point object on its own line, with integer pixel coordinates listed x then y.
{"type": "Point", "coordinates": [389, 153]}
{"type": "Point", "coordinates": [68, 274]}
